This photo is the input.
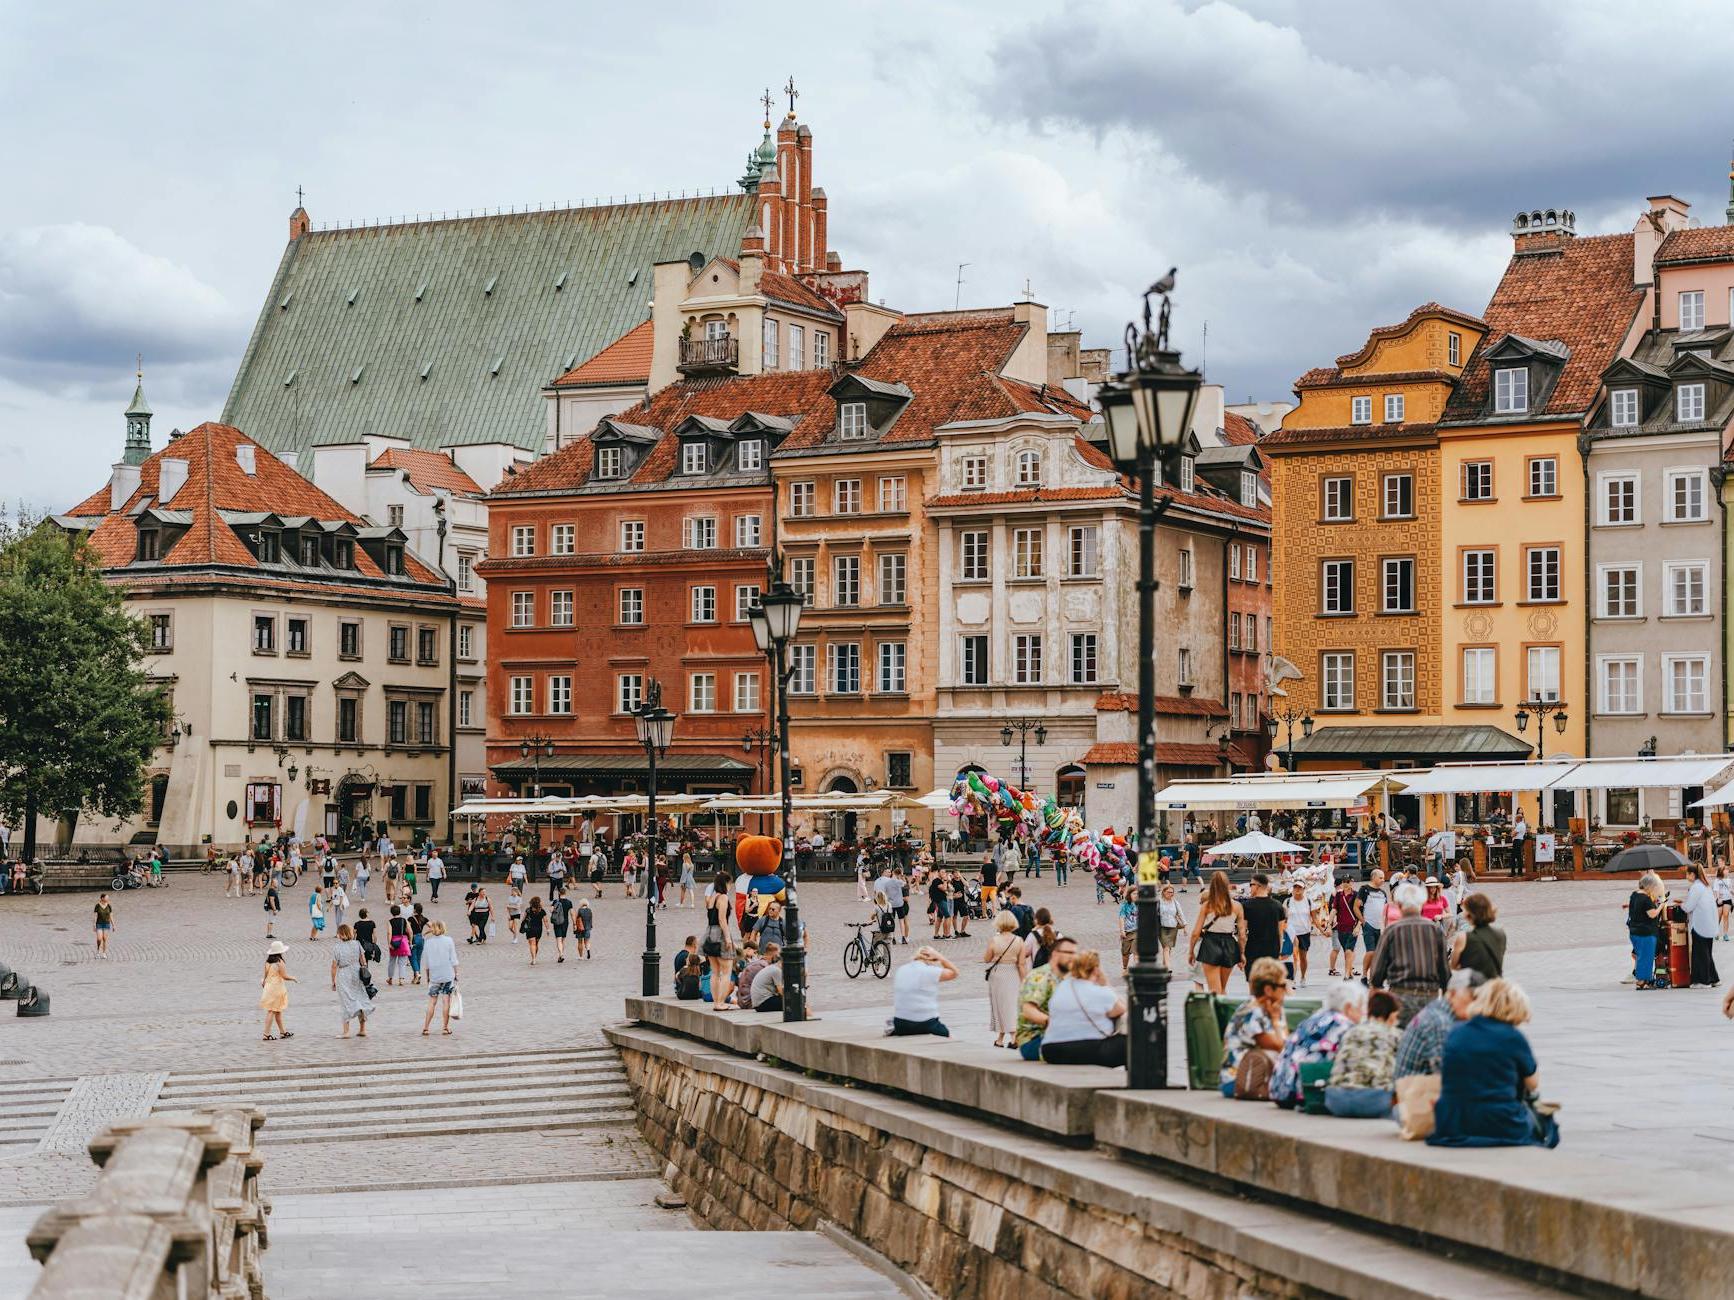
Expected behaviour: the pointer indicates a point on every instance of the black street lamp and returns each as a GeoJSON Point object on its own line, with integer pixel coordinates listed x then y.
{"type": "Point", "coordinates": [1147, 411]}
{"type": "Point", "coordinates": [655, 730]}
{"type": "Point", "coordinates": [776, 619]}
{"type": "Point", "coordinates": [1022, 727]}
{"type": "Point", "coordinates": [764, 740]}
{"type": "Point", "coordinates": [1541, 708]}
{"type": "Point", "coordinates": [536, 748]}
{"type": "Point", "coordinates": [1288, 717]}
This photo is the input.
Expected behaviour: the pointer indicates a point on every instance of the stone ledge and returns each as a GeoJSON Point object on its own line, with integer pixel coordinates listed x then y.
{"type": "Point", "coordinates": [987, 1080]}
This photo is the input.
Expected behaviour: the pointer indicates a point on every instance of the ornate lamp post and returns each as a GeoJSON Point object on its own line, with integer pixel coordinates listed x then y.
{"type": "Point", "coordinates": [1541, 708]}
{"type": "Point", "coordinates": [1022, 727]}
{"type": "Point", "coordinates": [776, 619]}
{"type": "Point", "coordinates": [655, 730]}
{"type": "Point", "coordinates": [1287, 718]}
{"type": "Point", "coordinates": [536, 748]}
{"type": "Point", "coordinates": [1148, 413]}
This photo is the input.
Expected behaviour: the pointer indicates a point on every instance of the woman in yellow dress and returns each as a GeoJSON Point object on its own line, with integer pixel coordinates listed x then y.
{"type": "Point", "coordinates": [274, 999]}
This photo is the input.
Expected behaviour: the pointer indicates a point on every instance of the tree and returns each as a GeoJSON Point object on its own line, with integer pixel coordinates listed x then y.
{"type": "Point", "coordinates": [79, 719]}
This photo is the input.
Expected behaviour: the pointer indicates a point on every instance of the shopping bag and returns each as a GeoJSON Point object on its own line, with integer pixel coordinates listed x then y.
{"type": "Point", "coordinates": [457, 1004]}
{"type": "Point", "coordinates": [1416, 1094]}
{"type": "Point", "coordinates": [493, 928]}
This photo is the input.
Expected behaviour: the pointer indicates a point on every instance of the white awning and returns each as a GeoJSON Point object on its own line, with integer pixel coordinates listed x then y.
{"type": "Point", "coordinates": [1646, 773]}
{"type": "Point", "coordinates": [1486, 778]}
{"type": "Point", "coordinates": [1326, 790]}
{"type": "Point", "coordinates": [834, 801]}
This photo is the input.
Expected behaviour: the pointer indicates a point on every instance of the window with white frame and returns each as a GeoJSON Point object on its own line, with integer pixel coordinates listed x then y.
{"type": "Point", "coordinates": [770, 335]}
{"type": "Point", "coordinates": [1251, 563]}
{"type": "Point", "coordinates": [1511, 390]}
{"type": "Point", "coordinates": [1399, 496]}
{"type": "Point", "coordinates": [1251, 646]}
{"type": "Point", "coordinates": [716, 329]}
{"type": "Point", "coordinates": [1621, 596]}
{"type": "Point", "coordinates": [972, 472]}
{"type": "Point", "coordinates": [843, 667]}
{"type": "Point", "coordinates": [893, 578]}
{"type": "Point", "coordinates": [1248, 488]}
{"type": "Point", "coordinates": [1623, 408]}
{"type": "Point", "coordinates": [628, 692]}
{"type": "Point", "coordinates": [1188, 473]}
{"type": "Point", "coordinates": [1339, 499]}
{"type": "Point", "coordinates": [972, 657]}
{"type": "Point", "coordinates": [631, 606]}
{"type": "Point", "coordinates": [1027, 659]}
{"type": "Point", "coordinates": [846, 496]}
{"type": "Point", "coordinates": [466, 641]}
{"type": "Point", "coordinates": [748, 529]}
{"type": "Point", "coordinates": [1234, 560]}
{"type": "Point", "coordinates": [1688, 499]}
{"type": "Point", "coordinates": [608, 462]}
{"type": "Point", "coordinates": [846, 580]}
{"type": "Point", "coordinates": [1393, 408]}
{"type": "Point", "coordinates": [852, 420]}
{"type": "Point", "coordinates": [523, 539]}
{"type": "Point", "coordinates": [746, 596]}
{"type": "Point", "coordinates": [750, 454]}
{"type": "Point", "coordinates": [701, 693]}
{"type": "Point", "coordinates": [1686, 585]}
{"type": "Point", "coordinates": [1453, 349]}
{"type": "Point", "coordinates": [1477, 480]}
{"type": "Point", "coordinates": [523, 694]}
{"type": "Point", "coordinates": [560, 693]}
{"type": "Point", "coordinates": [1686, 677]}
{"type": "Point", "coordinates": [1480, 577]}
{"type": "Point", "coordinates": [1337, 672]}
{"type": "Point", "coordinates": [1541, 568]}
{"type": "Point", "coordinates": [523, 609]}
{"type": "Point", "coordinates": [1397, 677]}
{"type": "Point", "coordinates": [1085, 541]}
{"type": "Point", "coordinates": [1544, 476]}
{"type": "Point", "coordinates": [1541, 672]}
{"type": "Point", "coordinates": [892, 660]}
{"type": "Point", "coordinates": [1480, 675]}
{"type": "Point", "coordinates": [1397, 581]}
{"type": "Point", "coordinates": [631, 535]}
{"type": "Point", "coordinates": [1688, 403]}
{"type": "Point", "coordinates": [1026, 552]}
{"type": "Point", "coordinates": [1337, 587]}
{"type": "Point", "coordinates": [803, 499]}
{"type": "Point", "coordinates": [803, 669]}
{"type": "Point", "coordinates": [1184, 674]}
{"type": "Point", "coordinates": [797, 348]}
{"type": "Point", "coordinates": [801, 577]}
{"type": "Point", "coordinates": [694, 457]}
{"type": "Point", "coordinates": [1360, 410]}
{"type": "Point", "coordinates": [1029, 469]}
{"type": "Point", "coordinates": [1691, 309]}
{"type": "Point", "coordinates": [747, 693]}
{"type": "Point", "coordinates": [1234, 631]}
{"type": "Point", "coordinates": [1186, 568]}
{"type": "Point", "coordinates": [1619, 498]}
{"type": "Point", "coordinates": [893, 494]}
{"type": "Point", "coordinates": [1620, 684]}
{"type": "Point", "coordinates": [972, 547]}
{"type": "Point", "coordinates": [1083, 658]}
{"type": "Point", "coordinates": [703, 604]}
{"type": "Point", "coordinates": [562, 539]}
{"type": "Point", "coordinates": [821, 349]}
{"type": "Point", "coordinates": [560, 609]}
{"type": "Point", "coordinates": [466, 708]}
{"type": "Point", "coordinates": [466, 571]}
{"type": "Point", "coordinates": [698, 534]}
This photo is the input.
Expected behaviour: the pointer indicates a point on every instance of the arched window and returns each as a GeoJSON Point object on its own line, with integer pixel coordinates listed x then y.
{"type": "Point", "coordinates": [1029, 467]}
{"type": "Point", "coordinates": [1069, 786]}
{"type": "Point", "coordinates": [159, 795]}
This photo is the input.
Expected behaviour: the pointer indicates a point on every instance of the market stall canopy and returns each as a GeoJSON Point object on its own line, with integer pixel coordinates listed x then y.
{"type": "Point", "coordinates": [1645, 773]}
{"type": "Point", "coordinates": [1253, 842]}
{"type": "Point", "coordinates": [550, 805]}
{"type": "Point", "coordinates": [836, 801]}
{"type": "Point", "coordinates": [1485, 778]}
{"type": "Point", "coordinates": [1408, 746]}
{"type": "Point", "coordinates": [937, 800]}
{"type": "Point", "coordinates": [1309, 790]}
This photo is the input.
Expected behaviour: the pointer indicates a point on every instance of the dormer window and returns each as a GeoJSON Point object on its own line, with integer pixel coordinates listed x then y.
{"type": "Point", "coordinates": [394, 561]}
{"type": "Point", "coordinates": [269, 547]}
{"type": "Point", "coordinates": [1029, 469]}
{"type": "Point", "coordinates": [343, 554]}
{"type": "Point", "coordinates": [750, 454]}
{"type": "Point", "coordinates": [1689, 402]}
{"type": "Point", "coordinates": [1248, 488]}
{"type": "Point", "coordinates": [694, 458]}
{"type": "Point", "coordinates": [852, 420]}
{"type": "Point", "coordinates": [1453, 349]}
{"type": "Point", "coordinates": [1692, 309]}
{"type": "Point", "coordinates": [1623, 408]}
{"type": "Point", "coordinates": [973, 473]}
{"type": "Point", "coordinates": [1511, 390]}
{"type": "Point", "coordinates": [1360, 410]}
{"type": "Point", "coordinates": [1188, 473]}
{"type": "Point", "coordinates": [147, 543]}
{"type": "Point", "coordinates": [608, 462]}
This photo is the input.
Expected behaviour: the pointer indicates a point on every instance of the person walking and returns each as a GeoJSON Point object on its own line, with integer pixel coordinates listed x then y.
{"type": "Point", "coordinates": [440, 957]}
{"type": "Point", "coordinates": [1346, 925]}
{"type": "Point", "coordinates": [347, 968]}
{"type": "Point", "coordinates": [1411, 960]}
{"type": "Point", "coordinates": [1481, 946]}
{"type": "Point", "coordinates": [409, 880]}
{"type": "Point", "coordinates": [1300, 927]}
{"type": "Point", "coordinates": [514, 909]}
{"type": "Point", "coordinates": [273, 908]}
{"type": "Point", "coordinates": [1171, 921]}
{"type": "Point", "coordinates": [560, 914]}
{"type": "Point", "coordinates": [339, 904]}
{"type": "Point", "coordinates": [1219, 934]}
{"type": "Point", "coordinates": [628, 871]}
{"type": "Point", "coordinates": [1127, 919]}
{"type": "Point", "coordinates": [315, 915]}
{"type": "Point", "coordinates": [556, 877]}
{"type": "Point", "coordinates": [1375, 903]}
{"type": "Point", "coordinates": [397, 947]}
{"type": "Point", "coordinates": [534, 918]}
{"type": "Point", "coordinates": [688, 885]}
{"type": "Point", "coordinates": [1700, 909]}
{"type": "Point", "coordinates": [417, 929]}
{"type": "Point", "coordinates": [1007, 963]}
{"type": "Point", "coordinates": [363, 874]}
{"type": "Point", "coordinates": [365, 927]}
{"type": "Point", "coordinates": [436, 872]}
{"type": "Point", "coordinates": [233, 870]}
{"type": "Point", "coordinates": [583, 925]}
{"type": "Point", "coordinates": [517, 875]}
{"type": "Point", "coordinates": [274, 991]}
{"type": "Point", "coordinates": [104, 924]}
{"type": "Point", "coordinates": [717, 947]}
{"type": "Point", "coordinates": [1266, 918]}
{"type": "Point", "coordinates": [480, 912]}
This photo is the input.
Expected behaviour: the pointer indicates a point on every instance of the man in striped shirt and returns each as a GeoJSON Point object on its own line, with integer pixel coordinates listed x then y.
{"type": "Point", "coordinates": [1411, 961]}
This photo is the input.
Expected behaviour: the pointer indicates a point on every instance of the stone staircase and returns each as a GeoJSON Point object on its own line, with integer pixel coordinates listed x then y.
{"type": "Point", "coordinates": [27, 1111]}
{"type": "Point", "coordinates": [516, 1092]}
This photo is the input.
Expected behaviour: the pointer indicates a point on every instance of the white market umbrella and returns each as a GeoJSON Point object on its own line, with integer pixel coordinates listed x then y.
{"type": "Point", "coordinates": [1254, 842]}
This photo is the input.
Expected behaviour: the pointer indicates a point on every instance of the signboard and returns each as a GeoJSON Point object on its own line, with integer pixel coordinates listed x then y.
{"type": "Point", "coordinates": [1104, 785]}
{"type": "Point", "coordinates": [1543, 847]}
{"type": "Point", "coordinates": [1150, 867]}
{"type": "Point", "coordinates": [320, 785]}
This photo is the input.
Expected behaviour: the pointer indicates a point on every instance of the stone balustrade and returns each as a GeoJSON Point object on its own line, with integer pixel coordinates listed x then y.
{"type": "Point", "coordinates": [176, 1214]}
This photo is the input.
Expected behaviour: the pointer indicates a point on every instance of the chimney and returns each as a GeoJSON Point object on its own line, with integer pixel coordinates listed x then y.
{"type": "Point", "coordinates": [1029, 360]}
{"type": "Point", "coordinates": [1543, 231]}
{"type": "Point", "coordinates": [299, 223]}
{"type": "Point", "coordinates": [821, 233]}
{"type": "Point", "coordinates": [291, 458]}
{"type": "Point", "coordinates": [669, 282]}
{"type": "Point", "coordinates": [171, 478]}
{"type": "Point", "coordinates": [244, 457]}
{"type": "Point", "coordinates": [122, 483]}
{"type": "Point", "coordinates": [806, 255]}
{"type": "Point", "coordinates": [788, 247]}
{"type": "Point", "coordinates": [752, 261]}
{"type": "Point", "coordinates": [771, 214]}
{"type": "Point", "coordinates": [1664, 215]}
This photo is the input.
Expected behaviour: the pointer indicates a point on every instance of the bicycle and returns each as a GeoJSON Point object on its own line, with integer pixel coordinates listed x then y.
{"type": "Point", "coordinates": [860, 955]}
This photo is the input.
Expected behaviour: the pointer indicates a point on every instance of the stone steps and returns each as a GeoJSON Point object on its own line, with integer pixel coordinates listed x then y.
{"type": "Point", "coordinates": [430, 1064]}
{"type": "Point", "coordinates": [532, 1119]}
{"type": "Point", "coordinates": [28, 1108]}
{"type": "Point", "coordinates": [392, 1086]}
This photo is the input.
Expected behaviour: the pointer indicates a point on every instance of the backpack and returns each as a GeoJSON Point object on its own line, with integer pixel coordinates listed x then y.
{"type": "Point", "coordinates": [1026, 919]}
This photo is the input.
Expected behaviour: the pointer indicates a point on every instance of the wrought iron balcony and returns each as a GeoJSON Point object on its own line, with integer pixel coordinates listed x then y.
{"type": "Point", "coordinates": [709, 355]}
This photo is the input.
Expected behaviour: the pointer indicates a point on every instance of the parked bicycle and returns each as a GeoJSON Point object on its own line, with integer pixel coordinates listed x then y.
{"type": "Point", "coordinates": [286, 876]}
{"type": "Point", "coordinates": [860, 954]}
{"type": "Point", "coordinates": [136, 875]}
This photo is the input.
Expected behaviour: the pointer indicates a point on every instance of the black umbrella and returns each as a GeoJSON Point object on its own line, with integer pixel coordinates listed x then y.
{"type": "Point", "coordinates": [1645, 857]}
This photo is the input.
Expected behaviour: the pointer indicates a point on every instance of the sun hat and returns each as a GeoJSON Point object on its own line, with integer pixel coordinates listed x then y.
{"type": "Point", "coordinates": [277, 948]}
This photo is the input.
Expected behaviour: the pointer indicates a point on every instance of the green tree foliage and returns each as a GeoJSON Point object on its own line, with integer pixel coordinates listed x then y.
{"type": "Point", "coordinates": [78, 717]}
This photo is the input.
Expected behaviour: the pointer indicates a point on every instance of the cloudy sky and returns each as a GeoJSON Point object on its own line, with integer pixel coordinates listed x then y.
{"type": "Point", "coordinates": [1314, 167]}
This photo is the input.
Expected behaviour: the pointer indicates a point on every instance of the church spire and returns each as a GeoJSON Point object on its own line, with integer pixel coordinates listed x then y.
{"type": "Point", "coordinates": [138, 424]}
{"type": "Point", "coordinates": [765, 154]}
{"type": "Point", "coordinates": [1729, 210]}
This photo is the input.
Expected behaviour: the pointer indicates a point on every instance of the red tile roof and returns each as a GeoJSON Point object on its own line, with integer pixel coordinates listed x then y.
{"type": "Point", "coordinates": [624, 361]}
{"type": "Point", "coordinates": [1331, 377]}
{"type": "Point", "coordinates": [786, 288]}
{"type": "Point", "coordinates": [1238, 431]}
{"type": "Point", "coordinates": [1115, 753]}
{"type": "Point", "coordinates": [1168, 705]}
{"type": "Point", "coordinates": [1580, 294]}
{"type": "Point", "coordinates": [1699, 244]}
{"type": "Point", "coordinates": [1181, 754]}
{"type": "Point", "coordinates": [427, 470]}
{"type": "Point", "coordinates": [1287, 437]}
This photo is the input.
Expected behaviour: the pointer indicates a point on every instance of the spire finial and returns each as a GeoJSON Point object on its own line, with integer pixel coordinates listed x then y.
{"type": "Point", "coordinates": [1729, 210]}
{"type": "Point", "coordinates": [141, 369]}
{"type": "Point", "coordinates": [793, 95]}
{"type": "Point", "coordinates": [766, 100]}
{"type": "Point", "coordinates": [298, 197]}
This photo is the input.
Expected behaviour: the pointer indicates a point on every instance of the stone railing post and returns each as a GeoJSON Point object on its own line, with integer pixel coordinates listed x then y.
{"type": "Point", "coordinates": [176, 1214]}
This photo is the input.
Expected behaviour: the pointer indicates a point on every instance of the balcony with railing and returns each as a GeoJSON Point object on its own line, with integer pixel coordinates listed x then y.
{"type": "Point", "coordinates": [709, 356]}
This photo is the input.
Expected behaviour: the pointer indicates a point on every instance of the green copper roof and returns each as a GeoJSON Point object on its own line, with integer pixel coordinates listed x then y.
{"type": "Point", "coordinates": [139, 405]}
{"type": "Point", "coordinates": [445, 331]}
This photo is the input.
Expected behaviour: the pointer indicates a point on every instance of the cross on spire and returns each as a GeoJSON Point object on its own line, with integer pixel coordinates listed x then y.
{"type": "Point", "coordinates": [141, 367]}
{"type": "Point", "coordinates": [298, 202]}
{"type": "Point", "coordinates": [765, 99]}
{"type": "Point", "coordinates": [792, 93]}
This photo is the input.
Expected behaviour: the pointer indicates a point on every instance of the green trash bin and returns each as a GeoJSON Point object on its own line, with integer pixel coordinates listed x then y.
{"type": "Point", "coordinates": [1207, 1016]}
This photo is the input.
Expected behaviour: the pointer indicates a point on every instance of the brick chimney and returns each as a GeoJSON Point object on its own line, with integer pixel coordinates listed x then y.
{"type": "Point", "coordinates": [788, 247]}
{"type": "Point", "coordinates": [752, 261]}
{"type": "Point", "coordinates": [806, 257]}
{"type": "Point", "coordinates": [1543, 231]}
{"type": "Point", "coordinates": [822, 254]}
{"type": "Point", "coordinates": [1664, 215]}
{"type": "Point", "coordinates": [299, 224]}
{"type": "Point", "coordinates": [771, 214]}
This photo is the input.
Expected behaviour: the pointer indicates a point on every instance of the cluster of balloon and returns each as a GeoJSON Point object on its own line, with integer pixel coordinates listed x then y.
{"type": "Point", "coordinates": [982, 794]}
{"type": "Point", "coordinates": [1059, 829]}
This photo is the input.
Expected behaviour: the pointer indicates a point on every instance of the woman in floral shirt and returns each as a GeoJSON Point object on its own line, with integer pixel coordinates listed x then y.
{"type": "Point", "coordinates": [1363, 1076]}
{"type": "Point", "coordinates": [1316, 1039]}
{"type": "Point", "coordinates": [1254, 1025]}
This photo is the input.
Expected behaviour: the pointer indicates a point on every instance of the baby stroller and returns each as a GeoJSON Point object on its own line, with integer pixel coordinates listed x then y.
{"type": "Point", "coordinates": [972, 905]}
